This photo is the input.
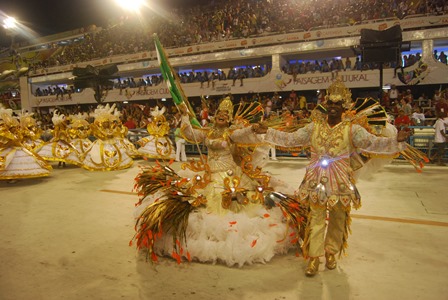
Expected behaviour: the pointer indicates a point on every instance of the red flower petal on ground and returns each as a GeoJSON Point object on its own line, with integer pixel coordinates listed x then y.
{"type": "Point", "coordinates": [254, 242]}
{"type": "Point", "coordinates": [154, 257]}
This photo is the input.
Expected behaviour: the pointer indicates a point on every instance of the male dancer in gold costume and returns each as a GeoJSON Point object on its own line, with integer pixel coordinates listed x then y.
{"type": "Point", "coordinates": [335, 138]}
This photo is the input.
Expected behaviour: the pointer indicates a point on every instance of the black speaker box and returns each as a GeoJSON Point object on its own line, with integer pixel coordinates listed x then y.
{"type": "Point", "coordinates": [108, 70]}
{"type": "Point", "coordinates": [378, 55]}
{"type": "Point", "coordinates": [370, 37]}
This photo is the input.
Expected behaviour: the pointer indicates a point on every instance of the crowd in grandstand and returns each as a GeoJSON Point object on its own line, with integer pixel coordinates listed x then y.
{"type": "Point", "coordinates": [223, 20]}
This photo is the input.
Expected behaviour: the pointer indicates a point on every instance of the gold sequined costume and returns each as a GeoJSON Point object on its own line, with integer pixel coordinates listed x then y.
{"type": "Point", "coordinates": [16, 160]}
{"type": "Point", "coordinates": [216, 212]}
{"type": "Point", "coordinates": [329, 182]}
{"type": "Point", "coordinates": [79, 132]}
{"type": "Point", "coordinates": [157, 145]}
{"type": "Point", "coordinates": [31, 132]}
{"type": "Point", "coordinates": [107, 152]}
{"type": "Point", "coordinates": [59, 147]}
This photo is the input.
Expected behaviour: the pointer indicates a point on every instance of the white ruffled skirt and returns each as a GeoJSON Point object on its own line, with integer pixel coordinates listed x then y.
{"type": "Point", "coordinates": [21, 163]}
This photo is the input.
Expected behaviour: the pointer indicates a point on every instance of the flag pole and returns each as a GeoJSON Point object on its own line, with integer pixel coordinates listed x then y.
{"type": "Point", "coordinates": [172, 81]}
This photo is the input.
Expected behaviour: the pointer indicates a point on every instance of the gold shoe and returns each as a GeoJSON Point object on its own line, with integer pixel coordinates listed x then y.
{"type": "Point", "coordinates": [331, 261]}
{"type": "Point", "coordinates": [313, 267]}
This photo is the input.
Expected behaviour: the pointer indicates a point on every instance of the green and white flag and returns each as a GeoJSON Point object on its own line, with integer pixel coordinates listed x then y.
{"type": "Point", "coordinates": [172, 80]}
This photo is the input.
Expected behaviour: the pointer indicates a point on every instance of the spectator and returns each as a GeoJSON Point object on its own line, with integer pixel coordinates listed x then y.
{"type": "Point", "coordinates": [130, 123]}
{"type": "Point", "coordinates": [348, 64]}
{"type": "Point", "coordinates": [402, 121]}
{"type": "Point", "coordinates": [407, 108]}
{"type": "Point", "coordinates": [302, 102]}
{"type": "Point", "coordinates": [441, 107]}
{"type": "Point", "coordinates": [443, 58]}
{"type": "Point", "coordinates": [440, 139]}
{"type": "Point", "coordinates": [417, 117]}
{"type": "Point", "coordinates": [393, 94]}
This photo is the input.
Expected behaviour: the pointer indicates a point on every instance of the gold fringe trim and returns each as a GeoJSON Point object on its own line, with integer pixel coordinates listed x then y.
{"type": "Point", "coordinates": [306, 237]}
{"type": "Point", "coordinates": [347, 231]}
{"type": "Point", "coordinates": [375, 155]}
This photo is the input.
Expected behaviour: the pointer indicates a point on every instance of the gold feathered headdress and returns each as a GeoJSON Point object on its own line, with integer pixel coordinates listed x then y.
{"type": "Point", "coordinates": [226, 105]}
{"type": "Point", "coordinates": [57, 118]}
{"type": "Point", "coordinates": [6, 118]}
{"type": "Point", "coordinates": [105, 113]}
{"type": "Point", "coordinates": [79, 120]}
{"type": "Point", "coordinates": [337, 91]}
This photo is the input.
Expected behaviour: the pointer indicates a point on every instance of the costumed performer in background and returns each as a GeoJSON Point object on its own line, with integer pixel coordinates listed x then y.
{"type": "Point", "coordinates": [107, 153]}
{"type": "Point", "coordinates": [16, 160]}
{"type": "Point", "coordinates": [121, 134]}
{"type": "Point", "coordinates": [181, 154]}
{"type": "Point", "coordinates": [31, 132]}
{"type": "Point", "coordinates": [338, 144]}
{"type": "Point", "coordinates": [79, 132]}
{"type": "Point", "coordinates": [226, 210]}
{"type": "Point", "coordinates": [157, 145]}
{"type": "Point", "coordinates": [59, 148]}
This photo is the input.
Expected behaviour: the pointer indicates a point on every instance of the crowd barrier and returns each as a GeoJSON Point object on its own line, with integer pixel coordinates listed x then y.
{"type": "Point", "coordinates": [422, 138]}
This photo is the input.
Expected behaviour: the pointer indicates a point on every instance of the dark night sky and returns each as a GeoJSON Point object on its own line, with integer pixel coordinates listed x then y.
{"type": "Point", "coordinates": [52, 16]}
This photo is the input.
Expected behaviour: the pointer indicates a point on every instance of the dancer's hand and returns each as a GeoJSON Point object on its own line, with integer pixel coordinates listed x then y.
{"type": "Point", "coordinates": [403, 135]}
{"type": "Point", "coordinates": [259, 128]}
{"type": "Point", "coordinates": [183, 109]}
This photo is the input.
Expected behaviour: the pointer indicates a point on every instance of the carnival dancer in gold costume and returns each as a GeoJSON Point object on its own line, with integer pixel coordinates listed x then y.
{"type": "Point", "coordinates": [16, 160]}
{"type": "Point", "coordinates": [31, 132]}
{"type": "Point", "coordinates": [79, 132]}
{"type": "Point", "coordinates": [157, 145]}
{"type": "Point", "coordinates": [218, 213]}
{"type": "Point", "coordinates": [121, 134]}
{"type": "Point", "coordinates": [107, 153]}
{"type": "Point", "coordinates": [59, 148]}
{"type": "Point", "coordinates": [341, 141]}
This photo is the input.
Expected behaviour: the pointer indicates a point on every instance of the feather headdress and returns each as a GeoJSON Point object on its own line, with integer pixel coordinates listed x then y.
{"type": "Point", "coordinates": [79, 120]}
{"type": "Point", "coordinates": [104, 113]}
{"type": "Point", "coordinates": [156, 112]}
{"type": "Point", "coordinates": [57, 117]}
{"type": "Point", "coordinates": [6, 116]}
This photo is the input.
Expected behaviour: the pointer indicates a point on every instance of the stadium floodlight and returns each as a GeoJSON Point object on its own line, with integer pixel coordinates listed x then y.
{"type": "Point", "coordinates": [131, 5]}
{"type": "Point", "coordinates": [9, 23]}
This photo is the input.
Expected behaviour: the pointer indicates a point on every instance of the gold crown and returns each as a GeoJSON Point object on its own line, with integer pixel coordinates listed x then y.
{"type": "Point", "coordinates": [337, 91]}
{"type": "Point", "coordinates": [226, 105]}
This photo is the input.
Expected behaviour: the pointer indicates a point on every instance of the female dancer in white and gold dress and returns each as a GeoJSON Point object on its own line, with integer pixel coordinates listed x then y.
{"type": "Point", "coordinates": [31, 132]}
{"type": "Point", "coordinates": [121, 134]}
{"type": "Point", "coordinates": [79, 132]}
{"type": "Point", "coordinates": [219, 213]}
{"type": "Point", "coordinates": [158, 144]}
{"type": "Point", "coordinates": [16, 160]}
{"type": "Point", "coordinates": [107, 153]}
{"type": "Point", "coordinates": [59, 148]}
